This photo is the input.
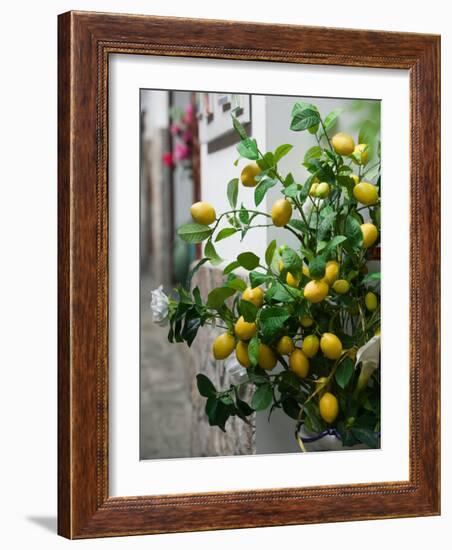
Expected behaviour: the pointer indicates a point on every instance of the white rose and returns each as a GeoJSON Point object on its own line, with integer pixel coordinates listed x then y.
{"type": "Point", "coordinates": [159, 306]}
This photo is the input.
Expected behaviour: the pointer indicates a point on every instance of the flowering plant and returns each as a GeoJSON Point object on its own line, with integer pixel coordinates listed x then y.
{"type": "Point", "coordinates": [183, 138]}
{"type": "Point", "coordinates": [313, 309]}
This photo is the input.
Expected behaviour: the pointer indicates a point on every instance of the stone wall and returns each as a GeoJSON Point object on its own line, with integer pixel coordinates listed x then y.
{"type": "Point", "coordinates": [240, 438]}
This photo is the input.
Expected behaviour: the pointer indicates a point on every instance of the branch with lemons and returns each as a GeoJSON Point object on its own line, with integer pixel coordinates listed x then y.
{"type": "Point", "coordinates": [299, 320]}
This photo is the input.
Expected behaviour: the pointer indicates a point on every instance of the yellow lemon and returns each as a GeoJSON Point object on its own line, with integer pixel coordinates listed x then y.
{"type": "Point", "coordinates": [299, 363]}
{"type": "Point", "coordinates": [291, 280]}
{"type": "Point", "coordinates": [341, 286]}
{"type": "Point", "coordinates": [370, 234]}
{"type": "Point", "coordinates": [249, 173]}
{"type": "Point", "coordinates": [306, 321]}
{"type": "Point", "coordinates": [285, 345]}
{"type": "Point", "coordinates": [330, 345]}
{"type": "Point", "coordinates": [322, 190]}
{"type": "Point", "coordinates": [328, 407]}
{"type": "Point", "coordinates": [267, 359]}
{"type": "Point", "coordinates": [362, 153]}
{"type": "Point", "coordinates": [223, 345]}
{"type": "Point", "coordinates": [306, 271]}
{"type": "Point", "coordinates": [254, 295]}
{"type": "Point", "coordinates": [203, 213]}
{"type": "Point", "coordinates": [281, 212]}
{"type": "Point", "coordinates": [316, 291]}
{"type": "Point", "coordinates": [331, 272]}
{"type": "Point", "coordinates": [241, 352]}
{"type": "Point", "coordinates": [310, 345]}
{"type": "Point", "coordinates": [365, 193]}
{"type": "Point", "coordinates": [343, 144]}
{"type": "Point", "coordinates": [313, 189]}
{"type": "Point", "coordinates": [245, 330]}
{"type": "Point", "coordinates": [371, 301]}
{"type": "Point", "coordinates": [355, 178]}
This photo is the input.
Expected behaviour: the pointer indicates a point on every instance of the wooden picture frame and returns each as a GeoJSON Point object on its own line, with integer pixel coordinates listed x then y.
{"type": "Point", "coordinates": [85, 42]}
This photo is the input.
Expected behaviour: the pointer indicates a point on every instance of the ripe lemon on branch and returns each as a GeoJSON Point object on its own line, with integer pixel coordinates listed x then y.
{"type": "Point", "coordinates": [281, 212]}
{"type": "Point", "coordinates": [223, 346]}
{"type": "Point", "coordinates": [366, 193]}
{"type": "Point", "coordinates": [343, 144]}
{"type": "Point", "coordinates": [370, 234]}
{"type": "Point", "coordinates": [254, 295]}
{"type": "Point", "coordinates": [241, 352]}
{"type": "Point", "coordinates": [203, 213]}
{"type": "Point", "coordinates": [331, 346]}
{"type": "Point", "coordinates": [316, 291]}
{"type": "Point", "coordinates": [249, 173]}
{"type": "Point", "coordinates": [299, 363]}
{"type": "Point", "coordinates": [244, 330]}
{"type": "Point", "coordinates": [328, 407]}
{"type": "Point", "coordinates": [285, 345]}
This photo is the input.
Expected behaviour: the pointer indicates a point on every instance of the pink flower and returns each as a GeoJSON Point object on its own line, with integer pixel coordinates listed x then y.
{"type": "Point", "coordinates": [168, 159]}
{"type": "Point", "coordinates": [175, 129]}
{"type": "Point", "coordinates": [181, 152]}
{"type": "Point", "coordinates": [188, 115]}
{"type": "Point", "coordinates": [187, 136]}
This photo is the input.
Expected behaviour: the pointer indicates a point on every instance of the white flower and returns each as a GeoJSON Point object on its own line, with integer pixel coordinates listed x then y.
{"type": "Point", "coordinates": [159, 306]}
{"type": "Point", "coordinates": [369, 357]}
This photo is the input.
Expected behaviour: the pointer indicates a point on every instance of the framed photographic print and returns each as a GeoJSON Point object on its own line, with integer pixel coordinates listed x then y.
{"type": "Point", "coordinates": [248, 275]}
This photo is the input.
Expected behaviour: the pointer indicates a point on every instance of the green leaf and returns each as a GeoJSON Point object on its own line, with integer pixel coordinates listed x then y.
{"type": "Point", "coordinates": [353, 233]}
{"type": "Point", "coordinates": [299, 225]}
{"type": "Point", "coordinates": [218, 296]}
{"type": "Point", "coordinates": [211, 253]}
{"type": "Point", "coordinates": [292, 261]}
{"type": "Point", "coordinates": [248, 148]}
{"type": "Point", "coordinates": [366, 436]}
{"type": "Point", "coordinates": [368, 132]}
{"type": "Point", "coordinates": [233, 192]}
{"type": "Point", "coordinates": [193, 272]}
{"type": "Point", "coordinates": [248, 310]}
{"type": "Point", "coordinates": [292, 190]}
{"type": "Point", "coordinates": [304, 119]}
{"type": "Point", "coordinates": [262, 188]}
{"type": "Point", "coordinates": [291, 407]}
{"type": "Point", "coordinates": [225, 233]}
{"type": "Point", "coordinates": [331, 118]}
{"type": "Point", "coordinates": [230, 267]}
{"type": "Point", "coordinates": [248, 260]}
{"type": "Point", "coordinates": [270, 252]}
{"type": "Point", "coordinates": [244, 215]}
{"type": "Point", "coordinates": [194, 232]}
{"type": "Point", "coordinates": [344, 372]}
{"type": "Point", "coordinates": [267, 162]}
{"type": "Point", "coordinates": [272, 319]}
{"type": "Point", "coordinates": [238, 127]}
{"type": "Point", "coordinates": [335, 241]}
{"type": "Point", "coordinates": [282, 151]}
{"type": "Point", "coordinates": [262, 398]}
{"type": "Point", "coordinates": [280, 293]}
{"type": "Point", "coordinates": [253, 350]}
{"type": "Point", "coordinates": [317, 267]}
{"type": "Point", "coordinates": [257, 278]}
{"type": "Point", "coordinates": [205, 386]}
{"type": "Point", "coordinates": [314, 417]}
{"type": "Point", "coordinates": [237, 284]}
{"type": "Point", "coordinates": [327, 217]}
{"type": "Point", "coordinates": [376, 276]}
{"type": "Point", "coordinates": [314, 152]}
{"type": "Point", "coordinates": [243, 407]}
{"type": "Point", "coordinates": [288, 180]}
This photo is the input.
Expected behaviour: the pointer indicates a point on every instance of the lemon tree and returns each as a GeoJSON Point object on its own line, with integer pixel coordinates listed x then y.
{"type": "Point", "coordinates": [297, 321]}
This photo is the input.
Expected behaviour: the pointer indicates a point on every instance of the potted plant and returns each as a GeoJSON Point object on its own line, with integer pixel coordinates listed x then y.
{"type": "Point", "coordinates": [313, 309]}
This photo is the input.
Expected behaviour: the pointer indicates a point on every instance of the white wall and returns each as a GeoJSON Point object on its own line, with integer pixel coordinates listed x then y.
{"type": "Point", "coordinates": [28, 275]}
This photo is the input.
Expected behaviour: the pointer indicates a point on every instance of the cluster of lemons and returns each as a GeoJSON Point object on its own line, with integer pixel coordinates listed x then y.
{"type": "Point", "coordinates": [315, 290]}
